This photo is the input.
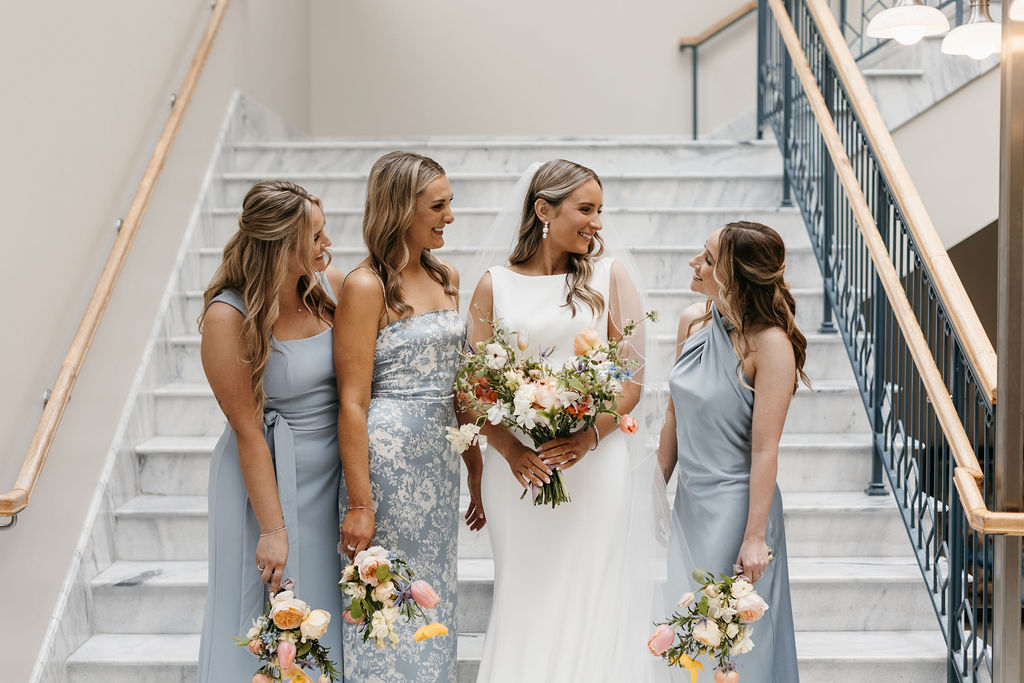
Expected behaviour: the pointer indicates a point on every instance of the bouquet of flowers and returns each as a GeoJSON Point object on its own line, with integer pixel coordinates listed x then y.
{"type": "Point", "coordinates": [716, 623]}
{"type": "Point", "coordinates": [382, 588]}
{"type": "Point", "coordinates": [286, 639]}
{"type": "Point", "coordinates": [526, 394]}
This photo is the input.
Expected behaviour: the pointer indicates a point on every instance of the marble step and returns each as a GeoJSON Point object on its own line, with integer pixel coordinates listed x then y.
{"type": "Point", "coordinates": [661, 266]}
{"type": "Point", "coordinates": [620, 155]}
{"type": "Point", "coordinates": [180, 466]}
{"type": "Point", "coordinates": [644, 225]}
{"type": "Point", "coordinates": [823, 656]}
{"type": "Point", "coordinates": [670, 303]}
{"type": "Point", "coordinates": [825, 524]}
{"type": "Point", "coordinates": [169, 597]}
{"type": "Point", "coordinates": [818, 524]}
{"type": "Point", "coordinates": [492, 189]}
{"type": "Point", "coordinates": [189, 409]}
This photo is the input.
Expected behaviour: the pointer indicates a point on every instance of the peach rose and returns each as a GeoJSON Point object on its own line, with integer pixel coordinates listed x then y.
{"type": "Point", "coordinates": [723, 676]}
{"type": "Point", "coordinates": [289, 613]}
{"type": "Point", "coordinates": [314, 625]}
{"type": "Point", "coordinates": [368, 561]}
{"type": "Point", "coordinates": [628, 424]}
{"type": "Point", "coordinates": [706, 632]}
{"type": "Point", "coordinates": [424, 594]}
{"type": "Point", "coordinates": [294, 674]}
{"type": "Point", "coordinates": [261, 678]}
{"type": "Point", "coordinates": [585, 342]}
{"type": "Point", "coordinates": [256, 646]}
{"type": "Point", "coordinates": [544, 395]}
{"type": "Point", "coordinates": [751, 607]}
{"type": "Point", "coordinates": [661, 640]}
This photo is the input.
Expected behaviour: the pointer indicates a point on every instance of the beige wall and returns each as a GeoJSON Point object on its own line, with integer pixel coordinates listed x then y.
{"type": "Point", "coordinates": [81, 114]}
{"type": "Point", "coordinates": [531, 67]}
{"type": "Point", "coordinates": [952, 153]}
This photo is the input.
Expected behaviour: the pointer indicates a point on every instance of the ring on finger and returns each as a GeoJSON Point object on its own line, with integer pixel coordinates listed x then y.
{"type": "Point", "coordinates": [350, 547]}
{"type": "Point", "coordinates": [259, 568]}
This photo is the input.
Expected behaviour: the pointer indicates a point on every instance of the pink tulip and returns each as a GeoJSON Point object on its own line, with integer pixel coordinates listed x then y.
{"type": "Point", "coordinates": [628, 424]}
{"type": "Point", "coordinates": [424, 595]}
{"type": "Point", "coordinates": [347, 616]}
{"type": "Point", "coordinates": [285, 654]}
{"type": "Point", "coordinates": [662, 640]}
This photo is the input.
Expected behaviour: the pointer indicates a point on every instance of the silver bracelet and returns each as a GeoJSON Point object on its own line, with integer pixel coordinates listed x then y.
{"type": "Point", "coordinates": [272, 531]}
{"type": "Point", "coordinates": [598, 435]}
{"type": "Point", "coordinates": [360, 507]}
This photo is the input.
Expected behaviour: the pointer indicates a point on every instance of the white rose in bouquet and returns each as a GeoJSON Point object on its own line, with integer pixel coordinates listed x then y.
{"type": "Point", "coordinates": [706, 632]}
{"type": "Point", "coordinates": [741, 587]}
{"type": "Point", "coordinates": [744, 644]}
{"type": "Point", "coordinates": [731, 630]}
{"type": "Point", "coordinates": [497, 356]}
{"type": "Point", "coordinates": [384, 591]}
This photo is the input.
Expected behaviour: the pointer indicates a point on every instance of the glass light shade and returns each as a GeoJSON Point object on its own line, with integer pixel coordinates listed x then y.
{"type": "Point", "coordinates": [1017, 10]}
{"type": "Point", "coordinates": [978, 37]}
{"type": "Point", "coordinates": [908, 22]}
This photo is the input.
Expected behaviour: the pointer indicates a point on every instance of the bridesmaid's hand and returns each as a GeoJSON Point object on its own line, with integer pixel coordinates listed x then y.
{"type": "Point", "coordinates": [753, 558]}
{"type": "Point", "coordinates": [564, 452]}
{"type": "Point", "coordinates": [357, 531]}
{"type": "Point", "coordinates": [475, 519]}
{"type": "Point", "coordinates": [271, 556]}
{"type": "Point", "coordinates": [527, 467]}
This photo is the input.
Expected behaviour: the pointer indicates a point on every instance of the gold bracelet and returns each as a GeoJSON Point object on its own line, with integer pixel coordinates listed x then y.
{"type": "Point", "coordinates": [360, 507]}
{"type": "Point", "coordinates": [272, 531]}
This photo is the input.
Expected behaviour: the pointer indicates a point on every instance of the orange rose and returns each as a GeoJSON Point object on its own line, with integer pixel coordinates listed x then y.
{"type": "Point", "coordinates": [288, 613]}
{"type": "Point", "coordinates": [585, 342]}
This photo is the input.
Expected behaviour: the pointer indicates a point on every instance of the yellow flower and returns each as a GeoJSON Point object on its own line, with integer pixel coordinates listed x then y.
{"type": "Point", "coordinates": [429, 631]}
{"type": "Point", "coordinates": [691, 665]}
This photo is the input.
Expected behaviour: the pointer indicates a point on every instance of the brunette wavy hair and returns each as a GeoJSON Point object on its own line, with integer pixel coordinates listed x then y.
{"type": "Point", "coordinates": [750, 272]}
{"type": "Point", "coordinates": [276, 222]}
{"type": "Point", "coordinates": [553, 182]}
{"type": "Point", "coordinates": [396, 181]}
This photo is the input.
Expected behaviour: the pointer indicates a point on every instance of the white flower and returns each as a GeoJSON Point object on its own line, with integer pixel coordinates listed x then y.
{"type": "Point", "coordinates": [685, 600]}
{"type": "Point", "coordinates": [524, 398]}
{"type": "Point", "coordinates": [744, 644]}
{"type": "Point", "coordinates": [615, 386]}
{"type": "Point", "coordinates": [599, 357]}
{"type": "Point", "coordinates": [711, 590]}
{"type": "Point", "coordinates": [512, 379]}
{"type": "Point", "coordinates": [731, 630]}
{"type": "Point", "coordinates": [348, 573]}
{"type": "Point", "coordinates": [706, 632]}
{"type": "Point", "coordinates": [463, 437]}
{"type": "Point", "coordinates": [254, 630]}
{"type": "Point", "coordinates": [356, 591]}
{"type": "Point", "coordinates": [379, 626]}
{"type": "Point", "coordinates": [741, 587]}
{"type": "Point", "coordinates": [497, 413]}
{"type": "Point", "coordinates": [497, 356]}
{"type": "Point", "coordinates": [567, 397]}
{"type": "Point", "coordinates": [314, 625]}
{"type": "Point", "coordinates": [384, 591]}
{"type": "Point", "coordinates": [528, 419]}
{"type": "Point", "coordinates": [723, 612]}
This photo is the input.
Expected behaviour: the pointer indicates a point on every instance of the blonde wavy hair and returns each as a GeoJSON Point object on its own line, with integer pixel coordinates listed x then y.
{"type": "Point", "coordinates": [276, 222]}
{"type": "Point", "coordinates": [553, 182]}
{"type": "Point", "coordinates": [396, 181]}
{"type": "Point", "coordinates": [750, 272]}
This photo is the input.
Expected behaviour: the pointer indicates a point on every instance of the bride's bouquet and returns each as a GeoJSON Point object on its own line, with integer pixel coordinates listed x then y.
{"type": "Point", "coordinates": [286, 639]}
{"type": "Point", "coordinates": [716, 622]}
{"type": "Point", "coordinates": [526, 394]}
{"type": "Point", "coordinates": [382, 588]}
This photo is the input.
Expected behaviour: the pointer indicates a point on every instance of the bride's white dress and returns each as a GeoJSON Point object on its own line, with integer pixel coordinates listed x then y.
{"type": "Point", "coordinates": [560, 575]}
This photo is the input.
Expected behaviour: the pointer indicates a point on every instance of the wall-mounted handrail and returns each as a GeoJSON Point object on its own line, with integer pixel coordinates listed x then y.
{"type": "Point", "coordinates": [969, 472]}
{"type": "Point", "coordinates": [693, 44]}
{"type": "Point", "coordinates": [964, 316]}
{"type": "Point", "coordinates": [14, 501]}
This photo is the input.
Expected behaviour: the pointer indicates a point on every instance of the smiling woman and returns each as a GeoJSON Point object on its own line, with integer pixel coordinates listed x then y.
{"type": "Point", "coordinates": [396, 366]}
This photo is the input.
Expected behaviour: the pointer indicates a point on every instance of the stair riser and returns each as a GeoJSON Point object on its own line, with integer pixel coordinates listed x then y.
{"type": "Point", "coordinates": [641, 227]}
{"type": "Point", "coordinates": [618, 158]}
{"type": "Point", "coordinates": [667, 269]}
{"type": "Point", "coordinates": [618, 192]}
{"type": "Point", "coordinates": [153, 537]}
{"type": "Point", "coordinates": [141, 673]}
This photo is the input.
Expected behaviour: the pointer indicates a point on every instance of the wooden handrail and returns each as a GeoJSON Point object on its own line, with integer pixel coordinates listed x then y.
{"type": "Point", "coordinates": [739, 13]}
{"type": "Point", "coordinates": [968, 473]}
{"type": "Point", "coordinates": [962, 313]}
{"type": "Point", "coordinates": [17, 499]}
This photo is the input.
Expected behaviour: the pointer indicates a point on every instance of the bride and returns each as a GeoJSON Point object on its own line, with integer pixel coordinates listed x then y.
{"type": "Point", "coordinates": [566, 603]}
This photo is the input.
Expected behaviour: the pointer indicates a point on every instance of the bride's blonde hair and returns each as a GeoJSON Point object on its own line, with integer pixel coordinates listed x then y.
{"type": "Point", "coordinates": [396, 181]}
{"type": "Point", "coordinates": [275, 223]}
{"type": "Point", "coordinates": [553, 182]}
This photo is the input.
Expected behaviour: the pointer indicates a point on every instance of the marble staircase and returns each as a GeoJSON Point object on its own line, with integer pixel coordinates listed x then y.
{"type": "Point", "coordinates": [860, 605]}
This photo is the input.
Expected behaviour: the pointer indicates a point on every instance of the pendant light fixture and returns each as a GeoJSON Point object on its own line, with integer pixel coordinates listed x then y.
{"type": "Point", "coordinates": [978, 37]}
{"type": "Point", "coordinates": [907, 22]}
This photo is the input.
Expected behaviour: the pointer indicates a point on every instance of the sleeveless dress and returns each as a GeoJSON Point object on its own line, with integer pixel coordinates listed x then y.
{"type": "Point", "coordinates": [301, 419]}
{"type": "Point", "coordinates": [558, 573]}
{"type": "Point", "coordinates": [414, 479]}
{"type": "Point", "coordinates": [714, 417]}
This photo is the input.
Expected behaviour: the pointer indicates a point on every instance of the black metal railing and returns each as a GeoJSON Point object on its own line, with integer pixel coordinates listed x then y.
{"type": "Point", "coordinates": [909, 444]}
{"type": "Point", "coordinates": [853, 17]}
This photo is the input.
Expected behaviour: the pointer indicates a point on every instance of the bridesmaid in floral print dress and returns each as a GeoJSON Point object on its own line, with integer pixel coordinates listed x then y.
{"type": "Point", "coordinates": [396, 355]}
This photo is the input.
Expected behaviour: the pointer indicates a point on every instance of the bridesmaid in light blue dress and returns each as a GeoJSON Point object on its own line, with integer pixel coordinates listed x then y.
{"type": "Point", "coordinates": [723, 426]}
{"type": "Point", "coordinates": [275, 472]}
{"type": "Point", "coordinates": [396, 362]}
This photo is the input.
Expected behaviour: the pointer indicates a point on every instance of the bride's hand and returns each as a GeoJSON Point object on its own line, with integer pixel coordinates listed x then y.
{"type": "Point", "coordinates": [528, 467]}
{"type": "Point", "coordinates": [564, 452]}
{"type": "Point", "coordinates": [475, 518]}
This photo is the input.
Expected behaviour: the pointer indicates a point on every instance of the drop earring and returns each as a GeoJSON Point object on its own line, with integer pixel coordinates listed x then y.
{"type": "Point", "coordinates": [544, 232]}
